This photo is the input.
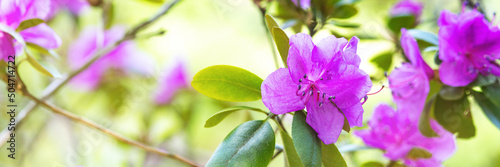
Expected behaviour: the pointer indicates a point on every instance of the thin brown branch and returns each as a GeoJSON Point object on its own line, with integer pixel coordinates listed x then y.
{"type": "Point", "coordinates": [58, 84]}
{"type": "Point", "coordinates": [107, 131]}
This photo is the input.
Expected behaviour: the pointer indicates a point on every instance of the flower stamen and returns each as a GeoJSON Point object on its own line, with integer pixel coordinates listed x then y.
{"type": "Point", "coordinates": [378, 90]}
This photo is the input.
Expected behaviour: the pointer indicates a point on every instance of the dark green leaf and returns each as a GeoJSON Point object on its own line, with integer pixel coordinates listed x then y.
{"type": "Point", "coordinates": [372, 164]}
{"type": "Point", "coordinates": [424, 125]}
{"type": "Point", "coordinates": [455, 116]}
{"type": "Point", "coordinates": [383, 60]}
{"type": "Point", "coordinates": [451, 93]}
{"type": "Point", "coordinates": [323, 8]}
{"type": "Point", "coordinates": [28, 24]}
{"type": "Point", "coordinates": [228, 83]}
{"type": "Point", "coordinates": [437, 60]}
{"type": "Point", "coordinates": [344, 12]}
{"type": "Point", "coordinates": [490, 109]}
{"type": "Point", "coordinates": [291, 155]}
{"type": "Point", "coordinates": [418, 153]}
{"type": "Point", "coordinates": [282, 42]}
{"type": "Point", "coordinates": [401, 21]}
{"type": "Point", "coordinates": [219, 116]}
{"type": "Point", "coordinates": [493, 92]}
{"type": "Point", "coordinates": [424, 36]}
{"type": "Point", "coordinates": [482, 80]}
{"type": "Point", "coordinates": [251, 143]}
{"type": "Point", "coordinates": [331, 157]}
{"type": "Point", "coordinates": [306, 141]}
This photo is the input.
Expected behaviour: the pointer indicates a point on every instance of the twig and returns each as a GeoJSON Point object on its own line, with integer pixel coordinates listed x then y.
{"type": "Point", "coordinates": [57, 84]}
{"type": "Point", "coordinates": [279, 149]}
{"type": "Point", "coordinates": [109, 132]}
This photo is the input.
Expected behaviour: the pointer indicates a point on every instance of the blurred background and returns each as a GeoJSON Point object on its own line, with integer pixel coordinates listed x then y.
{"type": "Point", "coordinates": [200, 34]}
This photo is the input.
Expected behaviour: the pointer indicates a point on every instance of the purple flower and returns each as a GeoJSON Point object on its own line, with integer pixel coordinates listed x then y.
{"type": "Point", "coordinates": [468, 46]}
{"type": "Point", "coordinates": [325, 79]}
{"type": "Point", "coordinates": [12, 13]}
{"type": "Point", "coordinates": [76, 7]}
{"type": "Point", "coordinates": [126, 57]}
{"type": "Point", "coordinates": [410, 82]}
{"type": "Point", "coordinates": [397, 133]}
{"type": "Point", "coordinates": [176, 78]}
{"type": "Point", "coordinates": [304, 4]}
{"type": "Point", "coordinates": [407, 7]}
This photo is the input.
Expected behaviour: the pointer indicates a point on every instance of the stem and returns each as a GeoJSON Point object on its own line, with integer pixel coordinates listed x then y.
{"type": "Point", "coordinates": [277, 153]}
{"type": "Point", "coordinates": [58, 84]}
{"type": "Point", "coordinates": [109, 132]}
{"type": "Point", "coordinates": [269, 35]}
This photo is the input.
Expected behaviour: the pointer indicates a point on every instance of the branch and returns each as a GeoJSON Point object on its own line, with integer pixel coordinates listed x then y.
{"type": "Point", "coordinates": [58, 84]}
{"type": "Point", "coordinates": [109, 132]}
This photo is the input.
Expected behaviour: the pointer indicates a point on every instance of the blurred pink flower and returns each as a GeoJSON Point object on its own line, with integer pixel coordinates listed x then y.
{"type": "Point", "coordinates": [12, 13]}
{"type": "Point", "coordinates": [410, 82]}
{"type": "Point", "coordinates": [407, 7]}
{"type": "Point", "coordinates": [126, 57]}
{"type": "Point", "coordinates": [324, 78]}
{"type": "Point", "coordinates": [304, 4]}
{"type": "Point", "coordinates": [397, 133]}
{"type": "Point", "coordinates": [469, 45]}
{"type": "Point", "coordinates": [176, 79]}
{"type": "Point", "coordinates": [76, 7]}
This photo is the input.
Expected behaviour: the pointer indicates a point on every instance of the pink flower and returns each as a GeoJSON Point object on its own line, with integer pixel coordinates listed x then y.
{"type": "Point", "coordinates": [468, 46]}
{"type": "Point", "coordinates": [397, 133]}
{"type": "Point", "coordinates": [176, 78]}
{"type": "Point", "coordinates": [325, 79]}
{"type": "Point", "coordinates": [125, 57]}
{"type": "Point", "coordinates": [12, 13]}
{"type": "Point", "coordinates": [76, 7]}
{"type": "Point", "coordinates": [304, 4]}
{"type": "Point", "coordinates": [407, 7]}
{"type": "Point", "coordinates": [410, 82]}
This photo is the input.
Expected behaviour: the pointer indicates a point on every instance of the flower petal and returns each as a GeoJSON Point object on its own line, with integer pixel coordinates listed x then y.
{"type": "Point", "coordinates": [6, 46]}
{"type": "Point", "coordinates": [412, 52]}
{"type": "Point", "coordinates": [458, 73]}
{"type": "Point", "coordinates": [299, 56]}
{"type": "Point", "coordinates": [354, 114]}
{"type": "Point", "coordinates": [410, 87]}
{"type": "Point", "coordinates": [447, 18]}
{"type": "Point", "coordinates": [350, 56]}
{"type": "Point", "coordinates": [326, 120]}
{"type": "Point", "coordinates": [42, 35]}
{"type": "Point", "coordinates": [279, 93]}
{"type": "Point", "coordinates": [348, 86]}
{"type": "Point", "coordinates": [175, 79]}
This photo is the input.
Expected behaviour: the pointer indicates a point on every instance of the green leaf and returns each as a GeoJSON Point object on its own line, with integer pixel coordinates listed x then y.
{"type": "Point", "coordinates": [424, 36]}
{"type": "Point", "coordinates": [402, 21]}
{"type": "Point", "coordinates": [282, 42]}
{"type": "Point", "coordinates": [490, 109]}
{"type": "Point", "coordinates": [306, 140]}
{"type": "Point", "coordinates": [43, 68]}
{"type": "Point", "coordinates": [251, 143]}
{"type": "Point", "coordinates": [451, 93]}
{"type": "Point", "coordinates": [493, 92]}
{"type": "Point", "coordinates": [372, 164]}
{"type": "Point", "coordinates": [228, 83]}
{"type": "Point", "coordinates": [344, 12]}
{"type": "Point", "coordinates": [344, 24]}
{"type": "Point", "coordinates": [28, 24]}
{"type": "Point", "coordinates": [383, 60]}
{"type": "Point", "coordinates": [271, 23]}
{"type": "Point", "coordinates": [424, 125]}
{"type": "Point", "coordinates": [331, 157]}
{"type": "Point", "coordinates": [42, 50]}
{"type": "Point", "coordinates": [291, 155]}
{"type": "Point", "coordinates": [219, 116]}
{"type": "Point", "coordinates": [482, 80]}
{"type": "Point", "coordinates": [455, 116]}
{"type": "Point", "coordinates": [418, 153]}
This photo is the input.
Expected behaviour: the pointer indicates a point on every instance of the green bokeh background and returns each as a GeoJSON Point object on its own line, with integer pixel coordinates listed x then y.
{"type": "Point", "coordinates": [202, 33]}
